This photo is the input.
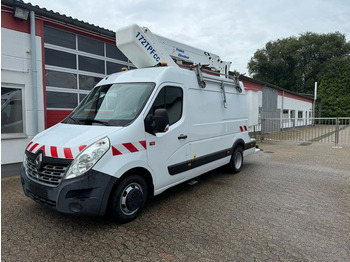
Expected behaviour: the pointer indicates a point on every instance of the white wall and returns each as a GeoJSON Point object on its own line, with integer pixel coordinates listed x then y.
{"type": "Point", "coordinates": [16, 72]}
{"type": "Point", "coordinates": [254, 101]}
{"type": "Point", "coordinates": [252, 97]}
{"type": "Point", "coordinates": [294, 104]}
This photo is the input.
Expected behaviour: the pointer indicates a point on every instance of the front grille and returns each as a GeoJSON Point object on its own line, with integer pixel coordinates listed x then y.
{"type": "Point", "coordinates": [50, 174]}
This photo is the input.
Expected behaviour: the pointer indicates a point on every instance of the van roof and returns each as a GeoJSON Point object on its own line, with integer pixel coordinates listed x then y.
{"type": "Point", "coordinates": [153, 74]}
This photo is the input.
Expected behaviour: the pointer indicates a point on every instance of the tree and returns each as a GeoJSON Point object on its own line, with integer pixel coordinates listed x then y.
{"type": "Point", "coordinates": [296, 63]}
{"type": "Point", "coordinates": [334, 89]}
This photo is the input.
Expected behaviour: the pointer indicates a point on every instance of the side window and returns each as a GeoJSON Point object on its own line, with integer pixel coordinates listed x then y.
{"type": "Point", "coordinates": [170, 98]}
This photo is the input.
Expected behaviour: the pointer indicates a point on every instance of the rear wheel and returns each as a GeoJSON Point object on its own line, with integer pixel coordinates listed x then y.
{"type": "Point", "coordinates": [129, 198]}
{"type": "Point", "coordinates": [236, 162]}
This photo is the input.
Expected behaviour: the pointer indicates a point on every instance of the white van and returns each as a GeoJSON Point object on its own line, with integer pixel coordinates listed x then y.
{"type": "Point", "coordinates": [138, 133]}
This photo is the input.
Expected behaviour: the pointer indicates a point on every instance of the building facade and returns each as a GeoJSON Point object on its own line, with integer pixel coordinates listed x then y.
{"type": "Point", "coordinates": [70, 58]}
{"type": "Point", "coordinates": [267, 101]}
{"type": "Point", "coordinates": [50, 62]}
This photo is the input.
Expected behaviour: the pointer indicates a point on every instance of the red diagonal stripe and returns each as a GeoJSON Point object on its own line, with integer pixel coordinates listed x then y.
{"type": "Point", "coordinates": [245, 128]}
{"type": "Point", "coordinates": [53, 150]}
{"type": "Point", "coordinates": [67, 153]}
{"type": "Point", "coordinates": [143, 143]}
{"type": "Point", "coordinates": [241, 128]}
{"type": "Point", "coordinates": [81, 147]}
{"type": "Point", "coordinates": [115, 152]}
{"type": "Point", "coordinates": [31, 142]}
{"type": "Point", "coordinates": [130, 147]}
{"type": "Point", "coordinates": [34, 146]}
{"type": "Point", "coordinates": [42, 148]}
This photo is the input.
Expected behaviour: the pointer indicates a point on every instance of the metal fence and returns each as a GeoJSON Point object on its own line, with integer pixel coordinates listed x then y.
{"type": "Point", "coordinates": [326, 130]}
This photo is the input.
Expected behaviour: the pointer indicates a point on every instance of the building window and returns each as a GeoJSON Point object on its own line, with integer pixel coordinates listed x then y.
{"type": "Point", "coordinates": [292, 113]}
{"type": "Point", "coordinates": [61, 100]}
{"type": "Point", "coordinates": [11, 110]}
{"type": "Point", "coordinates": [88, 82]}
{"type": "Point", "coordinates": [285, 113]}
{"type": "Point", "coordinates": [60, 38]}
{"type": "Point", "coordinates": [81, 97]}
{"type": "Point", "coordinates": [74, 64]}
{"type": "Point", "coordinates": [112, 51]}
{"type": "Point", "coordinates": [113, 67]}
{"type": "Point", "coordinates": [300, 114]}
{"type": "Point", "coordinates": [91, 65]}
{"type": "Point", "coordinates": [61, 79]}
{"type": "Point", "coordinates": [60, 58]}
{"type": "Point", "coordinates": [89, 45]}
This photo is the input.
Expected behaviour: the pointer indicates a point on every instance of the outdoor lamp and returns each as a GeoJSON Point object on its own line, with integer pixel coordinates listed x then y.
{"type": "Point", "coordinates": [20, 13]}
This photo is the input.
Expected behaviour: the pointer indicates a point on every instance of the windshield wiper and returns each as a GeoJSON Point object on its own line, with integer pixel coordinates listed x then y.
{"type": "Point", "coordinates": [94, 121]}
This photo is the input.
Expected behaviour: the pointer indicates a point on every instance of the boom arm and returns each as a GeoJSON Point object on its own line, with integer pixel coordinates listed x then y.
{"type": "Point", "coordinates": [182, 52]}
{"type": "Point", "coordinates": [145, 49]}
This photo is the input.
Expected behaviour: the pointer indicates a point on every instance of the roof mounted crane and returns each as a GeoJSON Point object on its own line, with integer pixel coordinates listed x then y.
{"type": "Point", "coordinates": [145, 49]}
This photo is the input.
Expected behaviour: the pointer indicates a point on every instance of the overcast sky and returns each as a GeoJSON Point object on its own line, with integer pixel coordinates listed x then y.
{"type": "Point", "coordinates": [232, 29]}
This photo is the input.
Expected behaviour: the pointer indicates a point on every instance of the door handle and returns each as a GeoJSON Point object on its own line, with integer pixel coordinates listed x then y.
{"type": "Point", "coordinates": [182, 136]}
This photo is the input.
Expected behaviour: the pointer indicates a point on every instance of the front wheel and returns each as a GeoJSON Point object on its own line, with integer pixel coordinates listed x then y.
{"type": "Point", "coordinates": [236, 162]}
{"type": "Point", "coordinates": [129, 198]}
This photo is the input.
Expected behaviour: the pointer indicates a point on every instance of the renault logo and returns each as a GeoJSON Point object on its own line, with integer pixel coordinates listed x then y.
{"type": "Point", "coordinates": [39, 161]}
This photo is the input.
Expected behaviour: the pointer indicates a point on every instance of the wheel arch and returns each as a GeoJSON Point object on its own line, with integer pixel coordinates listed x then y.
{"type": "Point", "coordinates": [239, 142]}
{"type": "Point", "coordinates": [144, 173]}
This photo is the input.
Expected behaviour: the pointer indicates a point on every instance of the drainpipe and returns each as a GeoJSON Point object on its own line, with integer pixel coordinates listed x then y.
{"type": "Point", "coordinates": [34, 72]}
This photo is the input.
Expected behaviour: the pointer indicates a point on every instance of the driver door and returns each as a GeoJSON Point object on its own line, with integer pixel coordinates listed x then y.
{"type": "Point", "coordinates": [167, 151]}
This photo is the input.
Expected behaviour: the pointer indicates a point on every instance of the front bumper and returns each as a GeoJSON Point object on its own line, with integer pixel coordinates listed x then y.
{"type": "Point", "coordinates": [85, 195]}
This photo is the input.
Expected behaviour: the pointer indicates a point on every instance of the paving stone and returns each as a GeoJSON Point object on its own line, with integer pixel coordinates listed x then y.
{"type": "Point", "coordinates": [289, 205]}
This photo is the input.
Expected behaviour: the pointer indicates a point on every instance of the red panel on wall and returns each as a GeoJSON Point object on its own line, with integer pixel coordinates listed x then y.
{"type": "Point", "coordinates": [56, 116]}
{"type": "Point", "coordinates": [7, 21]}
{"type": "Point", "coordinates": [251, 86]}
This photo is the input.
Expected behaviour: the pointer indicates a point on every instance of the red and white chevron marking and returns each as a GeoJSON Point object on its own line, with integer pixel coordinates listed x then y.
{"type": "Point", "coordinates": [243, 128]}
{"type": "Point", "coordinates": [55, 151]}
{"type": "Point", "coordinates": [127, 148]}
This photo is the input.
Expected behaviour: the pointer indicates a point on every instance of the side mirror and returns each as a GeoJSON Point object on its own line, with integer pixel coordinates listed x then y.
{"type": "Point", "coordinates": [157, 123]}
{"type": "Point", "coordinates": [161, 120]}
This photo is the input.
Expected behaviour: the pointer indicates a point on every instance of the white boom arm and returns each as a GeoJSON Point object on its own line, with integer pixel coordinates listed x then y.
{"type": "Point", "coordinates": [182, 52]}
{"type": "Point", "coordinates": [145, 49]}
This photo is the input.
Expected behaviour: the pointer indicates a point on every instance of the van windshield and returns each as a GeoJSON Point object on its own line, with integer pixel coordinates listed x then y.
{"type": "Point", "coordinates": [111, 105]}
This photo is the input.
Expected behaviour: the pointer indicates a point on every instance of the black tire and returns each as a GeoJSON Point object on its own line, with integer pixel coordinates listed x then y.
{"type": "Point", "coordinates": [129, 199]}
{"type": "Point", "coordinates": [236, 162]}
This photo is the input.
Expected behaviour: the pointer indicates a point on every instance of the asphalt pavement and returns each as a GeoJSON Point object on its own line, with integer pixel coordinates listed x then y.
{"type": "Point", "coordinates": [290, 202]}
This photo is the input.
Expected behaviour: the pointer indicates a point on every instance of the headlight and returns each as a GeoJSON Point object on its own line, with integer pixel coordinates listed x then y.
{"type": "Point", "coordinates": [88, 158]}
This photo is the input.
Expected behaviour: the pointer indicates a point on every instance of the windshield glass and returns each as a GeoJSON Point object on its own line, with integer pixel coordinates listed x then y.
{"type": "Point", "coordinates": [111, 105]}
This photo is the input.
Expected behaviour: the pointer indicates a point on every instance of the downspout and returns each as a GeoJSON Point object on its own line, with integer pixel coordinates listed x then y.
{"type": "Point", "coordinates": [34, 72]}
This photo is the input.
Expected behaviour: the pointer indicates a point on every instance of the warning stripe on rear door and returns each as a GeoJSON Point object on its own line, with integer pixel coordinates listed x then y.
{"type": "Point", "coordinates": [55, 151]}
